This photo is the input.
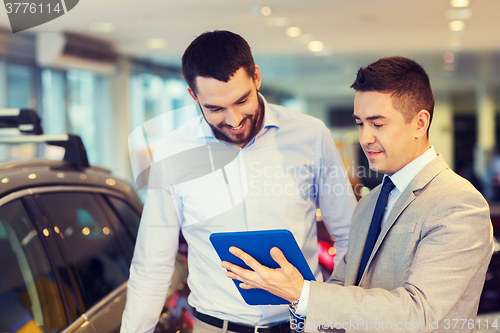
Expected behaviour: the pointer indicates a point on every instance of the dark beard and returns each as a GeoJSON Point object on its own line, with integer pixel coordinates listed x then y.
{"type": "Point", "coordinates": [256, 124]}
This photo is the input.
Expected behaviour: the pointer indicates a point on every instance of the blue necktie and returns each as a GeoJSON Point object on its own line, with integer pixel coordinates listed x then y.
{"type": "Point", "coordinates": [375, 226]}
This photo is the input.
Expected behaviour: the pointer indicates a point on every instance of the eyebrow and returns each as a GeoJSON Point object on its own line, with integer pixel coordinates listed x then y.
{"type": "Point", "coordinates": [245, 95]}
{"type": "Point", "coordinates": [369, 118]}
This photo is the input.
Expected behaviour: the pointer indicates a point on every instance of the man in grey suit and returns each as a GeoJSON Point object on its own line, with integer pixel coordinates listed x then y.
{"type": "Point", "coordinates": [431, 244]}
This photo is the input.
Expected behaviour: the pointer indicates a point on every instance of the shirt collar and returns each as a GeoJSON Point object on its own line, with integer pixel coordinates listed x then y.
{"type": "Point", "coordinates": [404, 176]}
{"type": "Point", "coordinates": [270, 120]}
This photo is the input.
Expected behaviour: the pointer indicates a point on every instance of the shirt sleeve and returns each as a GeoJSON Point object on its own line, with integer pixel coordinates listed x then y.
{"type": "Point", "coordinates": [154, 255]}
{"type": "Point", "coordinates": [335, 199]}
{"type": "Point", "coordinates": [304, 299]}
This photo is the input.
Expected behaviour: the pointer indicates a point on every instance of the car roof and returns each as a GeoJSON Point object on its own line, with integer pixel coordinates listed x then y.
{"type": "Point", "coordinates": [28, 174]}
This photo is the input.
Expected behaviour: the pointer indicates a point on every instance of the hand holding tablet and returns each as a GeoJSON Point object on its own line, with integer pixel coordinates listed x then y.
{"type": "Point", "coordinates": [258, 245]}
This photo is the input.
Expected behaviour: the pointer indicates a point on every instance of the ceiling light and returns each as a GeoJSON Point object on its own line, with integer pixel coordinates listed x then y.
{"type": "Point", "coordinates": [266, 11]}
{"type": "Point", "coordinates": [156, 43]}
{"type": "Point", "coordinates": [449, 57]}
{"type": "Point", "coordinates": [458, 14]}
{"type": "Point", "coordinates": [456, 25]}
{"type": "Point", "coordinates": [102, 27]}
{"type": "Point", "coordinates": [315, 46]}
{"type": "Point", "coordinates": [293, 32]}
{"type": "Point", "coordinates": [459, 3]}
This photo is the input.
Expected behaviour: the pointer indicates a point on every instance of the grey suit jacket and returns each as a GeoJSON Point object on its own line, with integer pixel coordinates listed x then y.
{"type": "Point", "coordinates": [428, 266]}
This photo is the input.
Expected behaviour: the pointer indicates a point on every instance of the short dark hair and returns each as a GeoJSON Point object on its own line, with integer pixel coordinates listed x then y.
{"type": "Point", "coordinates": [404, 79]}
{"type": "Point", "coordinates": [217, 54]}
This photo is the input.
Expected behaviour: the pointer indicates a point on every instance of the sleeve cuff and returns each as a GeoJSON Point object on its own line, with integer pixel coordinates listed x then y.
{"type": "Point", "coordinates": [304, 299]}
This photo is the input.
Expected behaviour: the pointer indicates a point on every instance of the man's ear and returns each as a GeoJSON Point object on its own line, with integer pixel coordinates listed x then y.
{"type": "Point", "coordinates": [422, 122]}
{"type": "Point", "coordinates": [256, 77]}
{"type": "Point", "coordinates": [193, 95]}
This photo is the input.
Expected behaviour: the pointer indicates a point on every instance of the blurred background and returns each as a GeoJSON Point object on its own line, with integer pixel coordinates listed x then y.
{"type": "Point", "coordinates": [105, 68]}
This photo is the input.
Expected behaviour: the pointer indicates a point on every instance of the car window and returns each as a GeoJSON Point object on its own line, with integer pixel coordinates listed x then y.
{"type": "Point", "coordinates": [127, 240]}
{"type": "Point", "coordinates": [127, 214]}
{"type": "Point", "coordinates": [90, 241]}
{"type": "Point", "coordinates": [29, 298]}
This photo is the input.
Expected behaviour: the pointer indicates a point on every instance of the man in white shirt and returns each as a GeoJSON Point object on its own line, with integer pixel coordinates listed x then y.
{"type": "Point", "coordinates": [244, 164]}
{"type": "Point", "coordinates": [420, 244]}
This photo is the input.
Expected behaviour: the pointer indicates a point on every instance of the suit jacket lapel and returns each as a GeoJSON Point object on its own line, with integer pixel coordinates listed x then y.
{"type": "Point", "coordinates": [404, 200]}
{"type": "Point", "coordinates": [412, 191]}
{"type": "Point", "coordinates": [359, 232]}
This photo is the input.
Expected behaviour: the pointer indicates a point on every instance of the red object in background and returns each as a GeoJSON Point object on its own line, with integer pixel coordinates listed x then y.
{"type": "Point", "coordinates": [187, 320]}
{"type": "Point", "coordinates": [172, 301]}
{"type": "Point", "coordinates": [326, 254]}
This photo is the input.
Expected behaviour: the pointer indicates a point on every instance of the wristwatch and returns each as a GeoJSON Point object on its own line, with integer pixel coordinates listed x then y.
{"type": "Point", "coordinates": [295, 304]}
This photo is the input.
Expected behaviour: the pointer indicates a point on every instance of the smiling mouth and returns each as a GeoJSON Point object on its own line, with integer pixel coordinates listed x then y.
{"type": "Point", "coordinates": [237, 130]}
{"type": "Point", "coordinates": [372, 152]}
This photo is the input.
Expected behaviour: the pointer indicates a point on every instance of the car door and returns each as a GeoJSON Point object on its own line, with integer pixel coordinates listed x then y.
{"type": "Point", "coordinates": [98, 248]}
{"type": "Point", "coordinates": [30, 294]}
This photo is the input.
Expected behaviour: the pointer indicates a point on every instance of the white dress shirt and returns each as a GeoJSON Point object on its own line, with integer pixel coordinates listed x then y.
{"type": "Point", "coordinates": [401, 179]}
{"type": "Point", "coordinates": [202, 185]}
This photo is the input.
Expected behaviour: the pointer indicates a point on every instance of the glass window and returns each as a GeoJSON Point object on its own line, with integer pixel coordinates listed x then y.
{"type": "Point", "coordinates": [159, 106]}
{"type": "Point", "coordinates": [54, 99]}
{"type": "Point", "coordinates": [126, 238]}
{"type": "Point", "coordinates": [19, 94]}
{"type": "Point", "coordinates": [104, 123]}
{"type": "Point", "coordinates": [81, 113]}
{"type": "Point", "coordinates": [177, 98]}
{"type": "Point", "coordinates": [89, 112]}
{"type": "Point", "coordinates": [3, 83]}
{"type": "Point", "coordinates": [127, 214]}
{"type": "Point", "coordinates": [29, 297]}
{"type": "Point", "coordinates": [54, 120]}
{"type": "Point", "coordinates": [146, 95]}
{"type": "Point", "coordinates": [152, 99]}
{"type": "Point", "coordinates": [20, 87]}
{"type": "Point", "coordinates": [90, 242]}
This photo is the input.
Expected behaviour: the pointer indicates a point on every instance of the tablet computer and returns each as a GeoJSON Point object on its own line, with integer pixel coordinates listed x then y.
{"type": "Point", "coordinates": [258, 244]}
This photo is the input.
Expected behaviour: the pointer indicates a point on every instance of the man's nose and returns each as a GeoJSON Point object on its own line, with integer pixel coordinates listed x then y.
{"type": "Point", "coordinates": [233, 117]}
{"type": "Point", "coordinates": [366, 137]}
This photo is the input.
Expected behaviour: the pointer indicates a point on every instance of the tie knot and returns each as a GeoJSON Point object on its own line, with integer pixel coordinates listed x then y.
{"type": "Point", "coordinates": [388, 185]}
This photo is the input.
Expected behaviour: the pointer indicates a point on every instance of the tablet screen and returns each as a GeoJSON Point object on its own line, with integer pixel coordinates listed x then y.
{"type": "Point", "coordinates": [258, 244]}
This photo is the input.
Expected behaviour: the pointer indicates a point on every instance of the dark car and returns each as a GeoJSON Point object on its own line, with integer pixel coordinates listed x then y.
{"type": "Point", "coordinates": [67, 234]}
